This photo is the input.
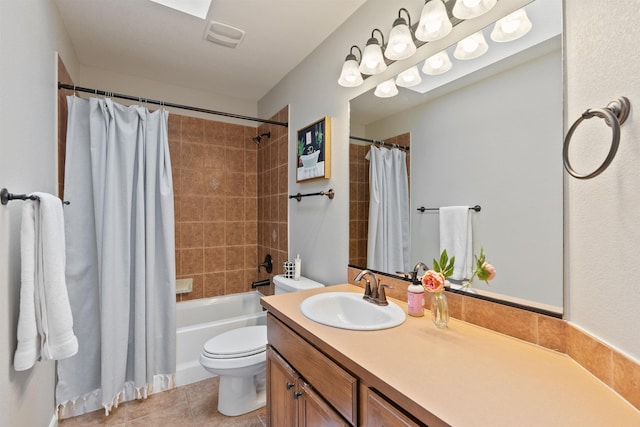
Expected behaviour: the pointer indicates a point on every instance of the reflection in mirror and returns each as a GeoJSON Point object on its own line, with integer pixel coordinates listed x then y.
{"type": "Point", "coordinates": [489, 137]}
{"type": "Point", "coordinates": [379, 237]}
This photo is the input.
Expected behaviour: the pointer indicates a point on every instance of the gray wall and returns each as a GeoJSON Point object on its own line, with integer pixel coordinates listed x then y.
{"type": "Point", "coordinates": [31, 33]}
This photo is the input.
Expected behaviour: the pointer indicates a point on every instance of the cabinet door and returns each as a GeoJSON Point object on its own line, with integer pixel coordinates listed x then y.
{"type": "Point", "coordinates": [313, 411]}
{"type": "Point", "coordinates": [282, 385]}
{"type": "Point", "coordinates": [381, 413]}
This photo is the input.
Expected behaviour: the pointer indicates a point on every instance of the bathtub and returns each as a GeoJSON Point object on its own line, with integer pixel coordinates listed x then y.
{"type": "Point", "coordinates": [199, 320]}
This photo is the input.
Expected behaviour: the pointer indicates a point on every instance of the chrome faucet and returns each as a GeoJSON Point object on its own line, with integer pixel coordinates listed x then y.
{"type": "Point", "coordinates": [374, 294]}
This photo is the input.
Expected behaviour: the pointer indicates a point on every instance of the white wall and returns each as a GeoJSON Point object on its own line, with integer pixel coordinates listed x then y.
{"type": "Point", "coordinates": [30, 34]}
{"type": "Point", "coordinates": [95, 78]}
{"type": "Point", "coordinates": [319, 228]}
{"type": "Point", "coordinates": [494, 143]}
{"type": "Point", "coordinates": [603, 214]}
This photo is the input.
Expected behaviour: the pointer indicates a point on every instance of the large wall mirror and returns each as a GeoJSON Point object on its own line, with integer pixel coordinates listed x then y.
{"type": "Point", "coordinates": [488, 132]}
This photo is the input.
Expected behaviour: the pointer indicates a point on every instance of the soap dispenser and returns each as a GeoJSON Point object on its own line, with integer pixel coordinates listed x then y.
{"type": "Point", "coordinates": [415, 299]}
{"type": "Point", "coordinates": [298, 267]}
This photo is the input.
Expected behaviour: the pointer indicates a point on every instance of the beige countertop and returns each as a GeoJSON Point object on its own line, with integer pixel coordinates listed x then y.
{"type": "Point", "coordinates": [464, 375]}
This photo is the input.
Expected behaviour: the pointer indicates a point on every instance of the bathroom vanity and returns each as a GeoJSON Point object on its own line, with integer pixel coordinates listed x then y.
{"type": "Point", "coordinates": [416, 374]}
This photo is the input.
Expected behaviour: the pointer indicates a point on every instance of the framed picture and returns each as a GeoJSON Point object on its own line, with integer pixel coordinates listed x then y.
{"type": "Point", "coordinates": [314, 151]}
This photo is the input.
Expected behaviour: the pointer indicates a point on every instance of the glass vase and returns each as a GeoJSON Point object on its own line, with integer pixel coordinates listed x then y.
{"type": "Point", "coordinates": [439, 310]}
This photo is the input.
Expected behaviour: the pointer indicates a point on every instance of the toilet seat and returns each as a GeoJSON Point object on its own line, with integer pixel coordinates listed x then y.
{"type": "Point", "coordinates": [237, 343]}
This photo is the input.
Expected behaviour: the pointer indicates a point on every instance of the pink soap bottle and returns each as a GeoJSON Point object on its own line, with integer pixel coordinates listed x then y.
{"type": "Point", "coordinates": [415, 300]}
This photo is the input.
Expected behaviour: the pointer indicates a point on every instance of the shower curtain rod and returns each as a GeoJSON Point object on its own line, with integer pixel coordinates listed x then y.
{"type": "Point", "coordinates": [167, 104]}
{"type": "Point", "coordinates": [375, 141]}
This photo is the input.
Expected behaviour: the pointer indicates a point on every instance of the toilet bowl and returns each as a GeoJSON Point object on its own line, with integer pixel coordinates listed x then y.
{"type": "Point", "coordinates": [238, 357]}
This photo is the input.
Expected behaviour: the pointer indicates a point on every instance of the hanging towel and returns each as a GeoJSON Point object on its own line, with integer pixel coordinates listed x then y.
{"type": "Point", "coordinates": [455, 237]}
{"type": "Point", "coordinates": [45, 323]}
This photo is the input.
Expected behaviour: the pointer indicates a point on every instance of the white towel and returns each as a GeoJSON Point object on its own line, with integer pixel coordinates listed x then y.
{"type": "Point", "coordinates": [45, 324]}
{"type": "Point", "coordinates": [455, 237]}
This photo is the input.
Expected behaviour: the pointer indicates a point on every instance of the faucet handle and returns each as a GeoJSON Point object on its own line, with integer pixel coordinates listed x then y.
{"type": "Point", "coordinates": [367, 289]}
{"type": "Point", "coordinates": [382, 297]}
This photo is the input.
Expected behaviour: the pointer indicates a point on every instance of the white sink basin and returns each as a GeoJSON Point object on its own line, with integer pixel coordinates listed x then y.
{"type": "Point", "coordinates": [349, 311]}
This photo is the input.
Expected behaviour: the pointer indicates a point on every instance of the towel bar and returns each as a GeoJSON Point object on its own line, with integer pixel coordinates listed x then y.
{"type": "Point", "coordinates": [476, 208]}
{"type": "Point", "coordinates": [6, 197]}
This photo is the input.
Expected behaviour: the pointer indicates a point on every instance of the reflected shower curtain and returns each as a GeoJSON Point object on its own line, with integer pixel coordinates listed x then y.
{"type": "Point", "coordinates": [388, 236]}
{"type": "Point", "coordinates": [120, 256]}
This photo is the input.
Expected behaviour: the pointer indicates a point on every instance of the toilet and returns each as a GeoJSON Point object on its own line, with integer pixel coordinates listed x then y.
{"type": "Point", "coordinates": [239, 357]}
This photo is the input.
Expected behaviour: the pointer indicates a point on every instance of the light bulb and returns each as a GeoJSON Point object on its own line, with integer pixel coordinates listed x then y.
{"type": "Point", "coordinates": [409, 78]}
{"type": "Point", "coordinates": [472, 47]}
{"type": "Point", "coordinates": [386, 89]}
{"type": "Point", "coordinates": [511, 27]}
{"type": "Point", "coordinates": [434, 22]}
{"type": "Point", "coordinates": [437, 64]}
{"type": "Point", "coordinates": [400, 44]}
{"type": "Point", "coordinates": [468, 9]}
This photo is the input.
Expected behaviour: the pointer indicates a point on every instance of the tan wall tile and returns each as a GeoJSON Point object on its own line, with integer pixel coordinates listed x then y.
{"type": "Point", "coordinates": [626, 378]}
{"type": "Point", "coordinates": [590, 353]}
{"type": "Point", "coordinates": [501, 318]}
{"type": "Point", "coordinates": [552, 333]}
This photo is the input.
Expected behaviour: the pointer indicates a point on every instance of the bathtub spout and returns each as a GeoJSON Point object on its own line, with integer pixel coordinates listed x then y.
{"type": "Point", "coordinates": [265, 282]}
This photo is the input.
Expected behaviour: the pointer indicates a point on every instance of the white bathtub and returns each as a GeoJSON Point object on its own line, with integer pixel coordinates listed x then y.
{"type": "Point", "coordinates": [199, 320]}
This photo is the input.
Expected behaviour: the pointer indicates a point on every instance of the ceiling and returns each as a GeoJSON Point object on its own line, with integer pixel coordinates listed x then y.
{"type": "Point", "coordinates": [144, 39]}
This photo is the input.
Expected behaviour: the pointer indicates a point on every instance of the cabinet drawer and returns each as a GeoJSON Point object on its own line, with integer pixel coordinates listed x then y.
{"type": "Point", "coordinates": [333, 383]}
{"type": "Point", "coordinates": [382, 413]}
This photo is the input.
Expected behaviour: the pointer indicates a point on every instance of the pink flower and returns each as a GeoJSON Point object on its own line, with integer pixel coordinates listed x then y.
{"type": "Point", "coordinates": [433, 281]}
{"type": "Point", "coordinates": [490, 270]}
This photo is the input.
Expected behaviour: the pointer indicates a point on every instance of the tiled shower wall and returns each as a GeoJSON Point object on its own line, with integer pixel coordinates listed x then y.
{"type": "Point", "coordinates": [215, 189]}
{"type": "Point", "coordinates": [359, 197]}
{"type": "Point", "coordinates": [273, 201]}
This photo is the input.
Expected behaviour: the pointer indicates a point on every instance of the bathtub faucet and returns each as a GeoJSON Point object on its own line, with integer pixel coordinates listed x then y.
{"type": "Point", "coordinates": [267, 264]}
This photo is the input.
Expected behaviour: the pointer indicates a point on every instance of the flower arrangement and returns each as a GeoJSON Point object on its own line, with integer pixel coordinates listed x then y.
{"type": "Point", "coordinates": [433, 280]}
{"type": "Point", "coordinates": [484, 271]}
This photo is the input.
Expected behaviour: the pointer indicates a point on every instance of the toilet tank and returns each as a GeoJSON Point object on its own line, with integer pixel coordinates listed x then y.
{"type": "Point", "coordinates": [285, 285]}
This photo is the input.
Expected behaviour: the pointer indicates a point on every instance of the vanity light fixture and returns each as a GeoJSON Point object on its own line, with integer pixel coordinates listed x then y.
{"type": "Point", "coordinates": [437, 64]}
{"type": "Point", "coordinates": [467, 9]}
{"type": "Point", "coordinates": [401, 45]}
{"type": "Point", "coordinates": [372, 61]}
{"type": "Point", "coordinates": [434, 22]}
{"type": "Point", "coordinates": [511, 27]}
{"type": "Point", "coordinates": [409, 78]}
{"type": "Point", "coordinates": [471, 47]}
{"type": "Point", "coordinates": [350, 75]}
{"type": "Point", "coordinates": [386, 89]}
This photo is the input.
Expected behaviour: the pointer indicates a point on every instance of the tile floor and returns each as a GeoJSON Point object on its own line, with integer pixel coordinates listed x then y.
{"type": "Point", "coordinates": [193, 405]}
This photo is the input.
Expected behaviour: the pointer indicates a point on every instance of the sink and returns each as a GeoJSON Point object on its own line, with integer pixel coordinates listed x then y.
{"type": "Point", "coordinates": [348, 310]}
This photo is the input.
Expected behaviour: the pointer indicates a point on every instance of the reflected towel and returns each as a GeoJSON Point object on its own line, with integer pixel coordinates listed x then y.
{"type": "Point", "coordinates": [456, 238]}
{"type": "Point", "coordinates": [45, 324]}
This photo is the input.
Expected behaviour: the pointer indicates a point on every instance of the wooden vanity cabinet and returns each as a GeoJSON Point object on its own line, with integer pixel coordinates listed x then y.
{"type": "Point", "coordinates": [307, 388]}
{"type": "Point", "coordinates": [291, 401]}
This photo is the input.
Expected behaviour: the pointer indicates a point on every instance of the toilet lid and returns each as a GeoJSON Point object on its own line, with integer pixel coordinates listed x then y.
{"type": "Point", "coordinates": [239, 342]}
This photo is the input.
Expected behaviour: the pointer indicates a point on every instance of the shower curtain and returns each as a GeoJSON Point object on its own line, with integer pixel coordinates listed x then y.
{"type": "Point", "coordinates": [388, 235]}
{"type": "Point", "coordinates": [120, 256]}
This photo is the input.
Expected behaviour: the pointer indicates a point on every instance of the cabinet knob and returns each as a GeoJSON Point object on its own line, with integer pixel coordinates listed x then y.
{"type": "Point", "coordinates": [296, 395]}
{"type": "Point", "coordinates": [290, 386]}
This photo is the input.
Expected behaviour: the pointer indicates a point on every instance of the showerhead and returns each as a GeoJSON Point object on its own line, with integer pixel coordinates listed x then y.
{"type": "Point", "coordinates": [259, 137]}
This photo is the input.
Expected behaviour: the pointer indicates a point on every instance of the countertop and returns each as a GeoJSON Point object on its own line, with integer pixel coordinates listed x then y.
{"type": "Point", "coordinates": [463, 375]}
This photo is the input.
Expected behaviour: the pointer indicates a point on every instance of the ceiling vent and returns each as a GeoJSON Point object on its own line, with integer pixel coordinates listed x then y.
{"type": "Point", "coordinates": [223, 34]}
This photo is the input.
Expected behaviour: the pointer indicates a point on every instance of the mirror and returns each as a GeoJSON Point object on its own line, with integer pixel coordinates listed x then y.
{"type": "Point", "coordinates": [491, 136]}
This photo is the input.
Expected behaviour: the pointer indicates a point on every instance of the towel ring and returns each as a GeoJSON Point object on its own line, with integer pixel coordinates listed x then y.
{"type": "Point", "coordinates": [614, 114]}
